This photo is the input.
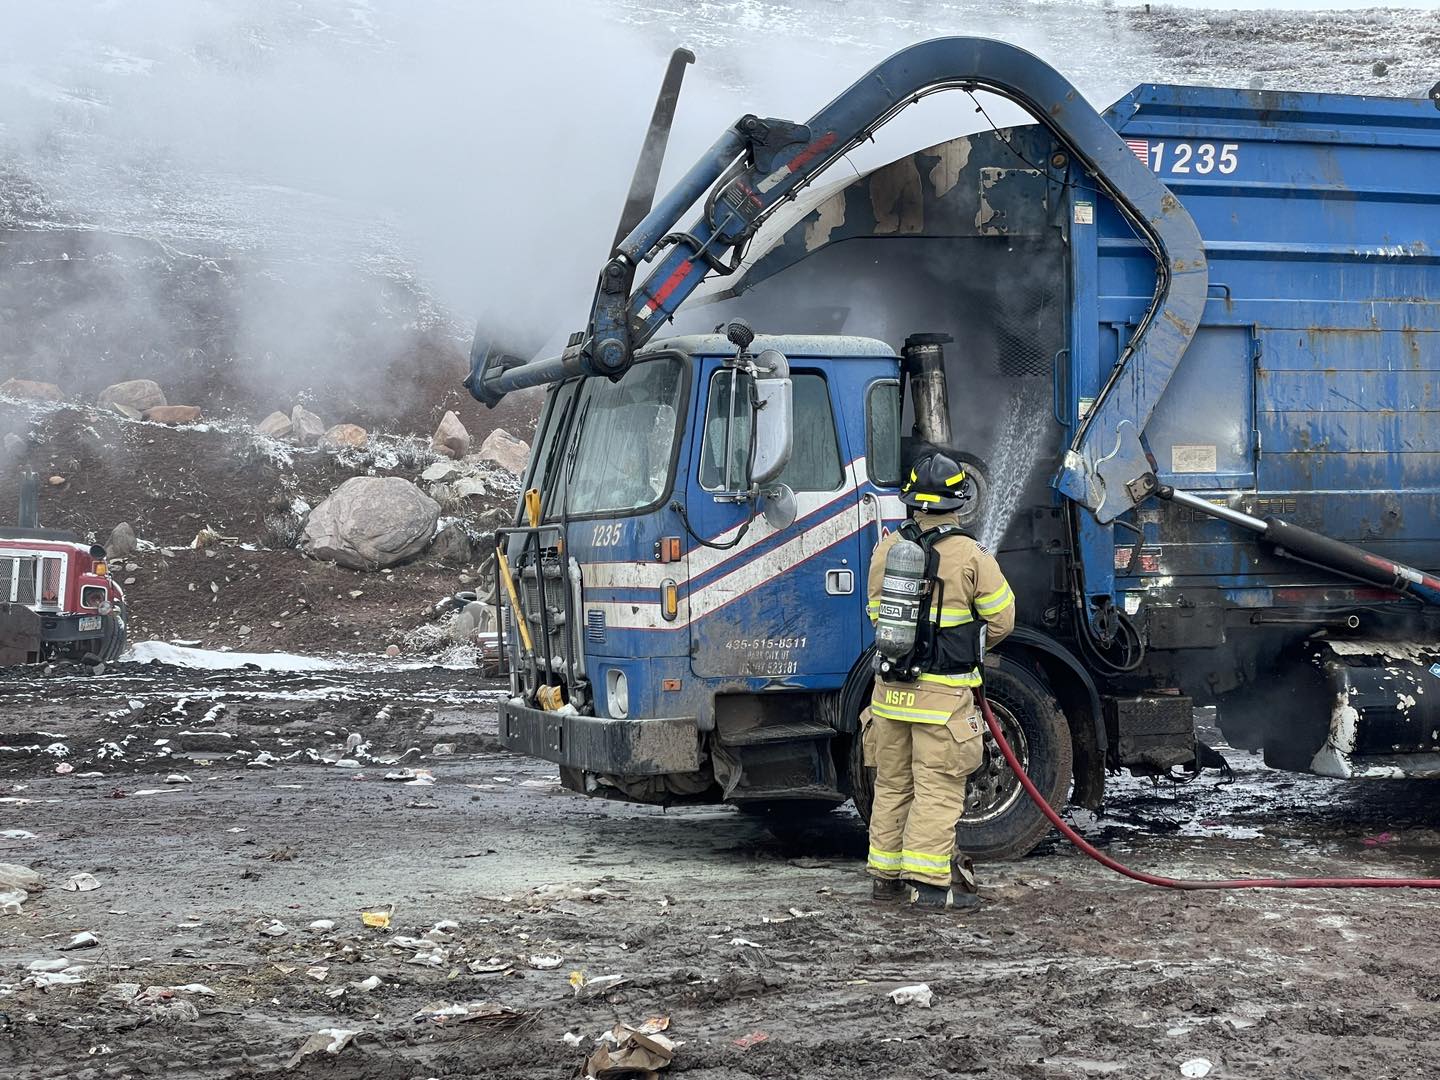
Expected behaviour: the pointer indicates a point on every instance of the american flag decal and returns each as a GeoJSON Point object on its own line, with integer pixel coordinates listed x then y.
{"type": "Point", "coordinates": [1141, 149]}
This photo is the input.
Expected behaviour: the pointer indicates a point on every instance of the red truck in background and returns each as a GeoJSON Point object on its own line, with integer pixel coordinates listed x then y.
{"type": "Point", "coordinates": [57, 597]}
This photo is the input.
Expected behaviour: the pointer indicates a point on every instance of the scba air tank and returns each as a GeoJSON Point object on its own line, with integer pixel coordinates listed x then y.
{"type": "Point", "coordinates": [902, 595]}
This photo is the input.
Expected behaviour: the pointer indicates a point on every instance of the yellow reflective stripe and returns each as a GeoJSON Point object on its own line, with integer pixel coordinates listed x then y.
{"type": "Point", "coordinates": [873, 607]}
{"type": "Point", "coordinates": [920, 860]}
{"type": "Point", "coordinates": [950, 616]}
{"type": "Point", "coordinates": [996, 602]}
{"type": "Point", "coordinates": [971, 678]}
{"type": "Point", "coordinates": [953, 480]}
{"type": "Point", "coordinates": [920, 496]}
{"type": "Point", "coordinates": [884, 860]}
{"type": "Point", "coordinates": [916, 716]}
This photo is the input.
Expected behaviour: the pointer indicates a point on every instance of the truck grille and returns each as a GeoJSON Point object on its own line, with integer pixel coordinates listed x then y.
{"type": "Point", "coordinates": [17, 579]}
{"type": "Point", "coordinates": [595, 627]}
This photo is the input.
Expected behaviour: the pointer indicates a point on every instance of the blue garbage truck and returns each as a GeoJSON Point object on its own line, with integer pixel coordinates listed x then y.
{"type": "Point", "coordinates": [1188, 350]}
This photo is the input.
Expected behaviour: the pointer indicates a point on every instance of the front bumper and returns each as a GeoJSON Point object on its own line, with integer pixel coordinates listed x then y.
{"type": "Point", "coordinates": [600, 744]}
{"type": "Point", "coordinates": [71, 627]}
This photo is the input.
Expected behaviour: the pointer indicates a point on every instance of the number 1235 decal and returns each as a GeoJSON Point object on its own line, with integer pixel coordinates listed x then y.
{"type": "Point", "coordinates": [1186, 158]}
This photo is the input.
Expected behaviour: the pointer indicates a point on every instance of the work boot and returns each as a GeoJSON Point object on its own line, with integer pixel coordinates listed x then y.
{"type": "Point", "coordinates": [887, 890]}
{"type": "Point", "coordinates": [932, 899]}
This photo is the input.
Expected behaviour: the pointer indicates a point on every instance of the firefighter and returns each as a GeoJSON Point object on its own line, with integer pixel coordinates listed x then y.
{"type": "Point", "coordinates": [923, 736]}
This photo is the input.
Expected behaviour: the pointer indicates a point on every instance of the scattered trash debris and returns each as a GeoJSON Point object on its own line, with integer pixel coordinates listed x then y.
{"type": "Point", "coordinates": [747, 1041]}
{"type": "Point", "coordinates": [81, 883]}
{"type": "Point", "coordinates": [83, 940]}
{"type": "Point", "coordinates": [319, 972]}
{"type": "Point", "coordinates": [918, 994]}
{"type": "Point", "coordinates": [545, 963]}
{"type": "Point", "coordinates": [573, 1038]}
{"type": "Point", "coordinates": [585, 988]}
{"type": "Point", "coordinates": [367, 985]}
{"type": "Point", "coordinates": [1369, 841]}
{"type": "Point", "coordinates": [177, 778]}
{"type": "Point", "coordinates": [274, 928]}
{"type": "Point", "coordinates": [470, 1012]}
{"type": "Point", "coordinates": [16, 883]}
{"type": "Point", "coordinates": [1196, 1067]}
{"type": "Point", "coordinates": [326, 1040]}
{"type": "Point", "coordinates": [379, 920]}
{"type": "Point", "coordinates": [626, 1051]}
{"type": "Point", "coordinates": [323, 925]}
{"type": "Point", "coordinates": [745, 943]}
{"type": "Point", "coordinates": [64, 767]}
{"type": "Point", "coordinates": [412, 777]}
{"type": "Point", "coordinates": [16, 834]}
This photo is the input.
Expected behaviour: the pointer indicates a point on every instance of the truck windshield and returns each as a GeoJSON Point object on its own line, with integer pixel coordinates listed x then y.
{"type": "Point", "coordinates": [626, 438]}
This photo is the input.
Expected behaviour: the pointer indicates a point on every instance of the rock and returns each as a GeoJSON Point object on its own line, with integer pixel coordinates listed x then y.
{"type": "Point", "coordinates": [451, 438]}
{"type": "Point", "coordinates": [121, 542]}
{"type": "Point", "coordinates": [468, 487]}
{"type": "Point", "coordinates": [370, 522]}
{"type": "Point", "coordinates": [503, 449]}
{"type": "Point", "coordinates": [15, 445]}
{"type": "Point", "coordinates": [173, 414]}
{"type": "Point", "coordinates": [277, 425]}
{"type": "Point", "coordinates": [139, 394]}
{"type": "Point", "coordinates": [56, 481]}
{"type": "Point", "coordinates": [13, 876]}
{"type": "Point", "coordinates": [392, 650]}
{"type": "Point", "coordinates": [452, 545]}
{"type": "Point", "coordinates": [345, 436]}
{"type": "Point", "coordinates": [1380, 69]}
{"type": "Point", "coordinates": [440, 472]}
{"type": "Point", "coordinates": [473, 618]}
{"type": "Point", "coordinates": [126, 411]}
{"type": "Point", "coordinates": [30, 390]}
{"type": "Point", "coordinates": [305, 427]}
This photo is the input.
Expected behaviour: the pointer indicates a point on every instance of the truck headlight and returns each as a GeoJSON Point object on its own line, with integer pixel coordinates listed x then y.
{"type": "Point", "coordinates": [617, 693]}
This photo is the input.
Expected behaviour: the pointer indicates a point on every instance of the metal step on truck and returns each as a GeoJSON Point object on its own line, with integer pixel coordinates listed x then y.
{"type": "Point", "coordinates": [1187, 348]}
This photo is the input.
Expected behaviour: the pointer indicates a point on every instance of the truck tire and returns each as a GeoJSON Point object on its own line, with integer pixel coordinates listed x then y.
{"type": "Point", "coordinates": [113, 630]}
{"type": "Point", "coordinates": [1000, 821]}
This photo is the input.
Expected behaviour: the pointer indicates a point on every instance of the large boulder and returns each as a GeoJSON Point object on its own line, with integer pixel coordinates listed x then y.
{"type": "Point", "coordinates": [452, 545]}
{"type": "Point", "coordinates": [277, 425]}
{"type": "Point", "coordinates": [305, 427]}
{"type": "Point", "coordinates": [139, 394]}
{"type": "Point", "coordinates": [30, 389]}
{"type": "Point", "coordinates": [505, 450]}
{"type": "Point", "coordinates": [173, 414]}
{"type": "Point", "coordinates": [121, 542]}
{"type": "Point", "coordinates": [370, 522]}
{"type": "Point", "coordinates": [451, 438]}
{"type": "Point", "coordinates": [345, 437]}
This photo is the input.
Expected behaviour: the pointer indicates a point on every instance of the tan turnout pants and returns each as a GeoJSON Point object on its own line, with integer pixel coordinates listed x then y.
{"type": "Point", "coordinates": [920, 772]}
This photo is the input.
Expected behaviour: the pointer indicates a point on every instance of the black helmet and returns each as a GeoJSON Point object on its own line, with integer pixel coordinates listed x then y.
{"type": "Point", "coordinates": [937, 482]}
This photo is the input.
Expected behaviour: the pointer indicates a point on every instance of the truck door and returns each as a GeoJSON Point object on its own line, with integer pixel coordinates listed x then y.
{"type": "Point", "coordinates": [784, 603]}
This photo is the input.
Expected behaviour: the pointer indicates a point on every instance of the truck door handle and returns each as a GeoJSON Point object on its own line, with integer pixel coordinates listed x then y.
{"type": "Point", "coordinates": [839, 582]}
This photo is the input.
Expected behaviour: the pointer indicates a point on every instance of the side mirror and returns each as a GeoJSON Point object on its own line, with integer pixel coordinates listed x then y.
{"type": "Point", "coordinates": [774, 417]}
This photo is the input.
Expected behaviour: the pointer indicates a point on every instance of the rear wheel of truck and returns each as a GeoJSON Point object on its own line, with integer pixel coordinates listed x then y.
{"type": "Point", "coordinates": [1000, 821]}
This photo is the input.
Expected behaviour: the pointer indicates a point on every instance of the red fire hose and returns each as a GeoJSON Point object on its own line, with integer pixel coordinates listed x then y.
{"type": "Point", "coordinates": [1180, 883]}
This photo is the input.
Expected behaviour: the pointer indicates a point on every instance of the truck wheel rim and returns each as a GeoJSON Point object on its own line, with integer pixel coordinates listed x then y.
{"type": "Point", "coordinates": [992, 789]}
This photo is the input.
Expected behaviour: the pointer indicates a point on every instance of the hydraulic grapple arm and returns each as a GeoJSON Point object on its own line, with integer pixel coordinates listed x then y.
{"type": "Point", "coordinates": [758, 164]}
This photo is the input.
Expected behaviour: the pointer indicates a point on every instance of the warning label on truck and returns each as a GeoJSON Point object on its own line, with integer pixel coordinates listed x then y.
{"type": "Point", "coordinates": [1193, 458]}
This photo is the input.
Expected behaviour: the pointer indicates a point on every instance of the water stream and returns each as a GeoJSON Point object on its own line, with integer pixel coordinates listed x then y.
{"type": "Point", "coordinates": [1012, 458]}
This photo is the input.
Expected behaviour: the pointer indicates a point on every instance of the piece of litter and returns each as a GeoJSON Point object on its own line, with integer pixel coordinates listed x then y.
{"type": "Point", "coordinates": [367, 985]}
{"type": "Point", "coordinates": [468, 1012]}
{"type": "Point", "coordinates": [747, 1041]}
{"type": "Point", "coordinates": [624, 1051]}
{"type": "Point", "coordinates": [744, 943]}
{"type": "Point", "coordinates": [1196, 1067]}
{"type": "Point", "coordinates": [319, 972]}
{"type": "Point", "coordinates": [49, 965]}
{"type": "Point", "coordinates": [194, 988]}
{"type": "Point", "coordinates": [380, 920]}
{"type": "Point", "coordinates": [323, 924]}
{"type": "Point", "coordinates": [326, 1040]}
{"type": "Point", "coordinates": [589, 988]}
{"type": "Point", "coordinates": [274, 928]}
{"type": "Point", "coordinates": [918, 994]}
{"type": "Point", "coordinates": [1369, 841]}
{"type": "Point", "coordinates": [64, 767]}
{"type": "Point", "coordinates": [82, 940]}
{"type": "Point", "coordinates": [573, 1038]}
{"type": "Point", "coordinates": [17, 834]}
{"type": "Point", "coordinates": [81, 883]}
{"type": "Point", "coordinates": [545, 963]}
{"type": "Point", "coordinates": [177, 778]}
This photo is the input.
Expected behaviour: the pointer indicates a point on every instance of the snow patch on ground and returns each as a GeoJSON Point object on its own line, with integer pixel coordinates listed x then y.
{"type": "Point", "coordinates": [207, 659]}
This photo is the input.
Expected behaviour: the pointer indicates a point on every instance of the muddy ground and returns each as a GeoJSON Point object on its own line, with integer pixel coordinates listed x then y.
{"type": "Point", "coordinates": [765, 954]}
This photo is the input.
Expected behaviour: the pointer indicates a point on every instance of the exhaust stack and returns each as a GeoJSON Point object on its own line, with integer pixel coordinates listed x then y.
{"type": "Point", "coordinates": [29, 501]}
{"type": "Point", "coordinates": [924, 361]}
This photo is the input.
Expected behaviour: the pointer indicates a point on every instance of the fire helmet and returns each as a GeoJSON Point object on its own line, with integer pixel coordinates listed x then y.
{"type": "Point", "coordinates": [937, 482]}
